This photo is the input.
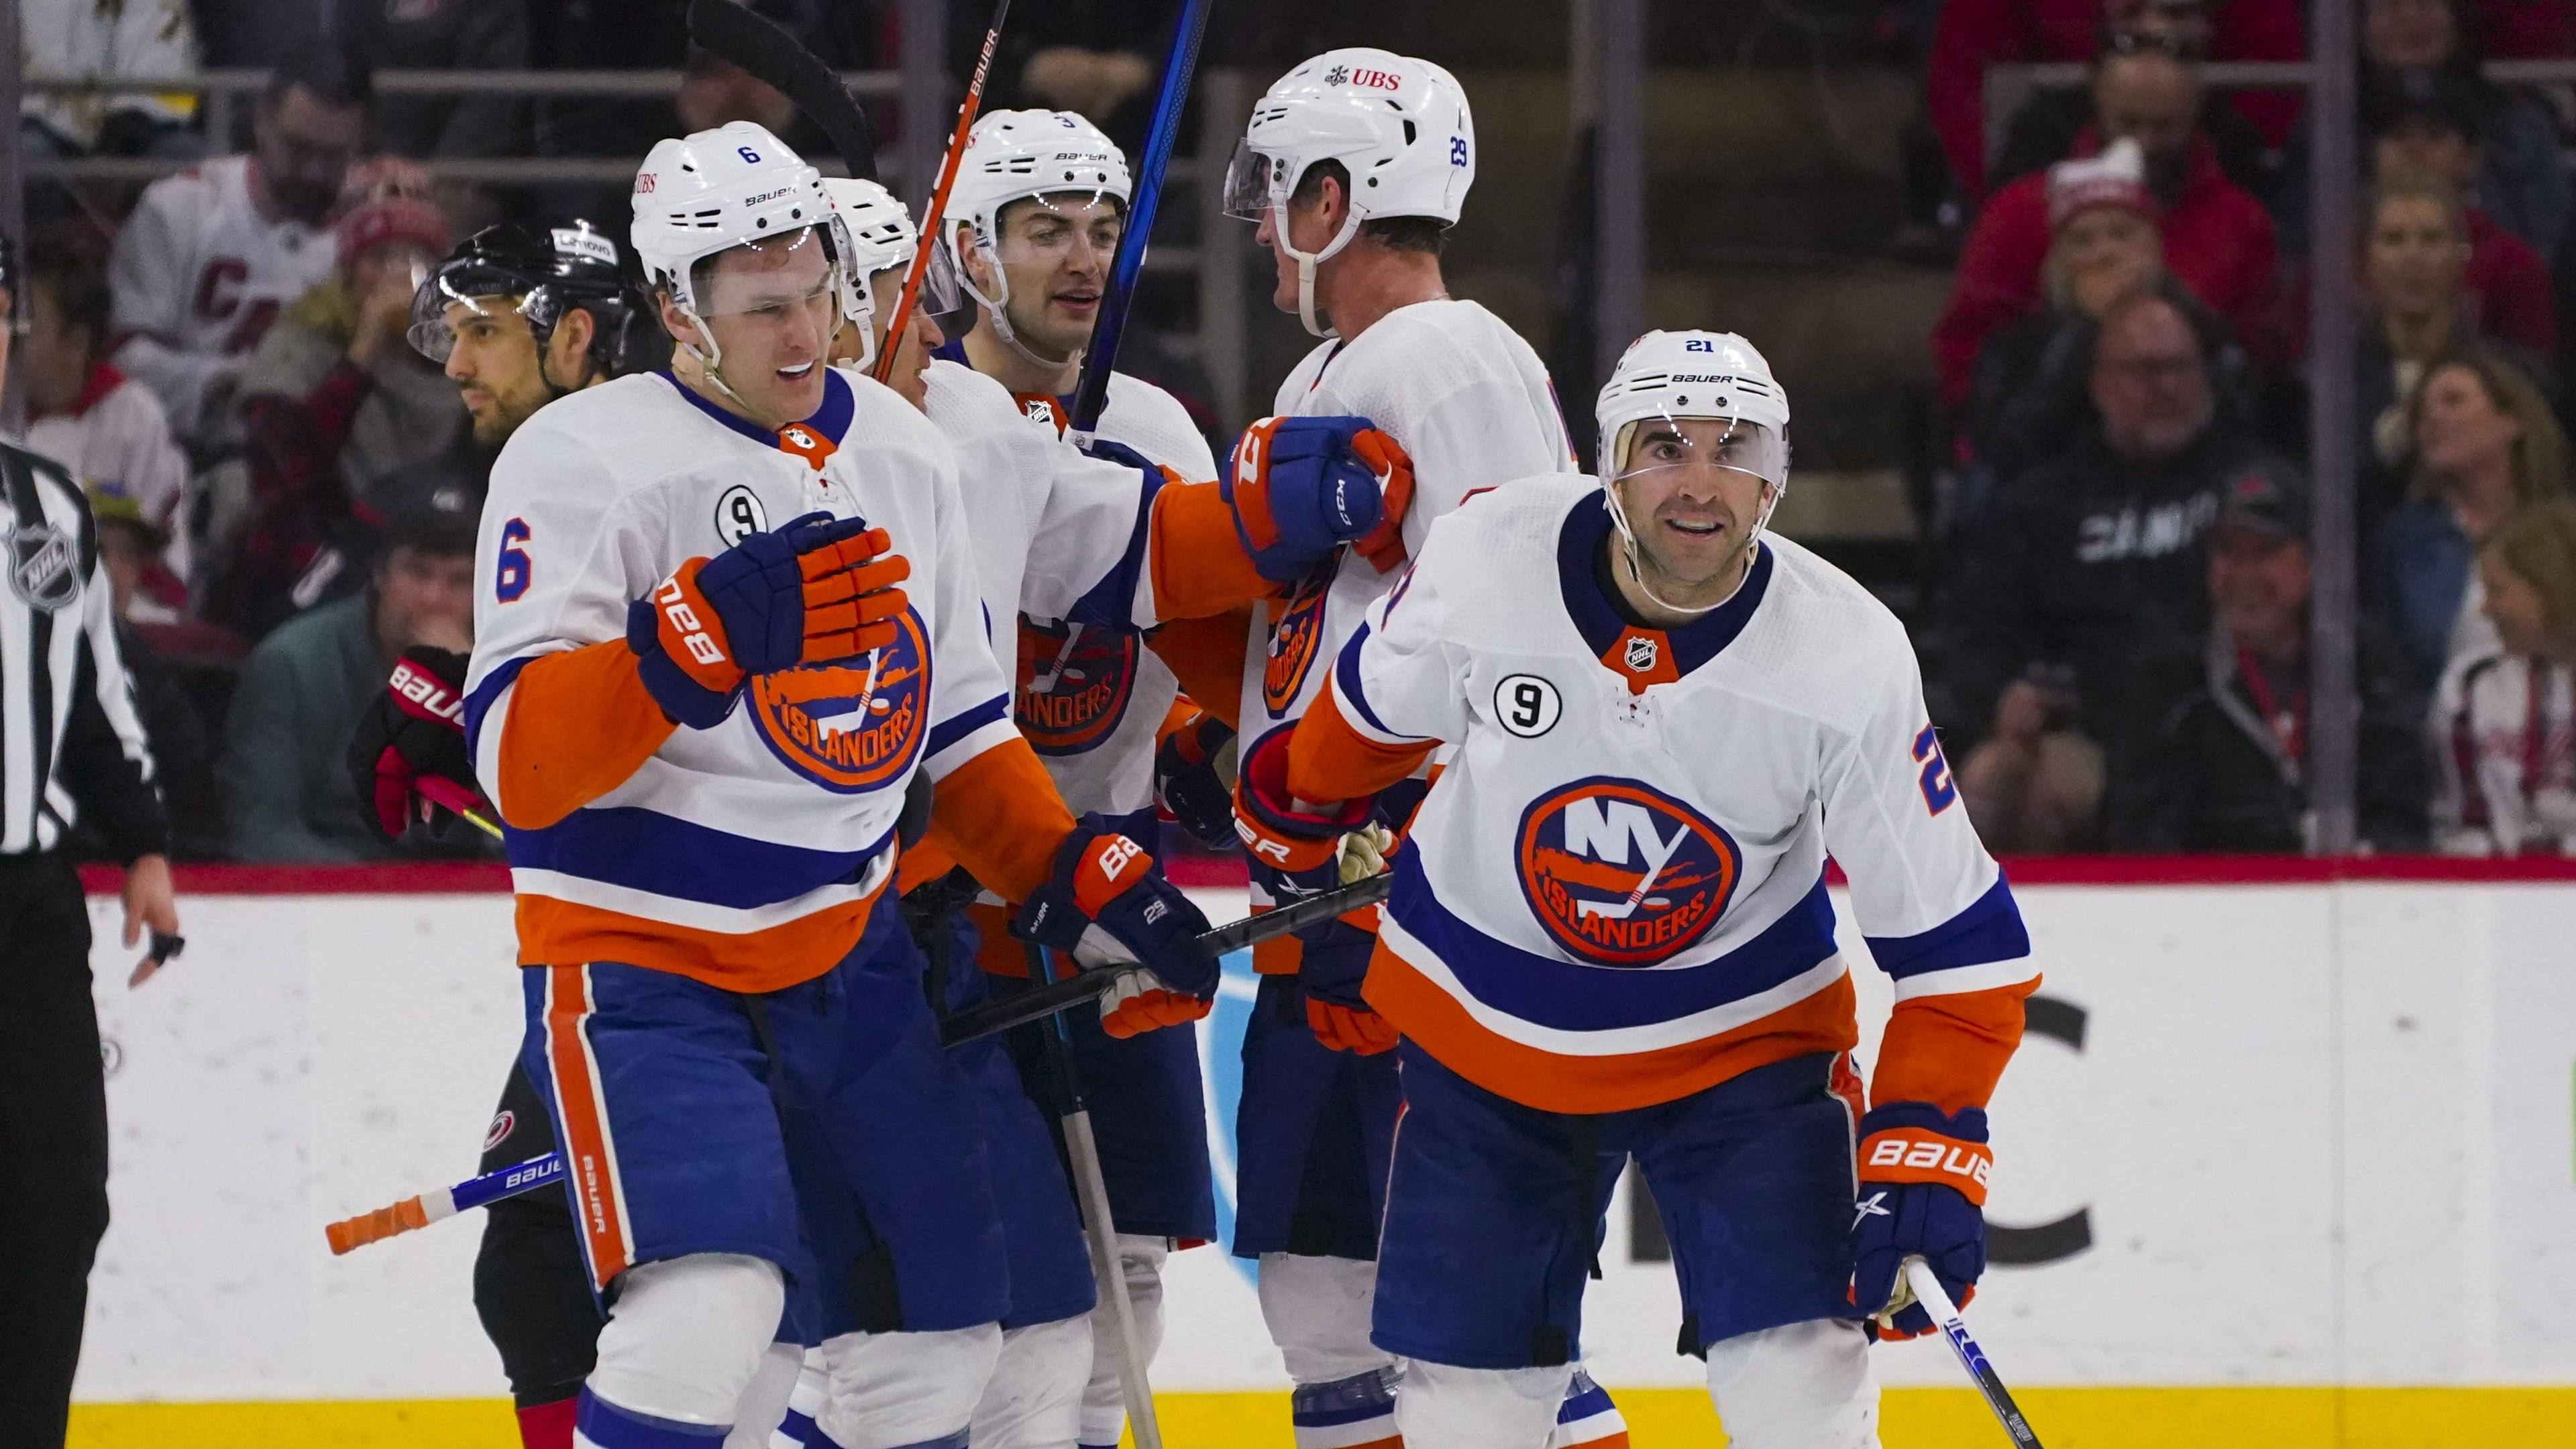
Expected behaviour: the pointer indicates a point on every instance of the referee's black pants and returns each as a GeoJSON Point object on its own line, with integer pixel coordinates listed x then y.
{"type": "Point", "coordinates": [53, 1144]}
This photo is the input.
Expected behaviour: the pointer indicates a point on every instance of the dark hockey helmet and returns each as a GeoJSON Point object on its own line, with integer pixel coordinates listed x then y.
{"type": "Point", "coordinates": [542, 273]}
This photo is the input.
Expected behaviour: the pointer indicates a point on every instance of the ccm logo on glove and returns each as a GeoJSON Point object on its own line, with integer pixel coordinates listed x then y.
{"type": "Point", "coordinates": [1917, 1156]}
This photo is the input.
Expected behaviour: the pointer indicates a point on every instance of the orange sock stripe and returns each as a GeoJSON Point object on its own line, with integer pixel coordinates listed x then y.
{"type": "Point", "coordinates": [590, 1152]}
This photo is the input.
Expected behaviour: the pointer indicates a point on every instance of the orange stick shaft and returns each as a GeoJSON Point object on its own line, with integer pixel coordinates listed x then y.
{"type": "Point", "coordinates": [932, 219]}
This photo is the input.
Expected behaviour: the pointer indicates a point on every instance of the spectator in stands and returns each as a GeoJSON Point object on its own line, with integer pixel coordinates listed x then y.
{"type": "Point", "coordinates": [446, 35]}
{"type": "Point", "coordinates": [2043, 130]}
{"type": "Point", "coordinates": [2504, 721]}
{"type": "Point", "coordinates": [2034, 374]}
{"type": "Point", "coordinates": [2483, 442]}
{"type": "Point", "coordinates": [2521, 179]}
{"type": "Point", "coordinates": [212, 255]}
{"type": "Point", "coordinates": [2414, 271]}
{"type": "Point", "coordinates": [285, 776]}
{"type": "Point", "coordinates": [123, 41]}
{"type": "Point", "coordinates": [334, 401]}
{"type": "Point", "coordinates": [1975, 34]}
{"type": "Point", "coordinates": [2227, 770]}
{"type": "Point", "coordinates": [2217, 238]}
{"type": "Point", "coordinates": [2424, 125]}
{"type": "Point", "coordinates": [2095, 560]}
{"type": "Point", "coordinates": [102, 425]}
{"type": "Point", "coordinates": [2034, 784]}
{"type": "Point", "coordinates": [183, 755]}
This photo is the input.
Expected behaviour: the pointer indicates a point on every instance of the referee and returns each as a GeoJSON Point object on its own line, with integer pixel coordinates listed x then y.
{"type": "Point", "coordinates": [71, 749]}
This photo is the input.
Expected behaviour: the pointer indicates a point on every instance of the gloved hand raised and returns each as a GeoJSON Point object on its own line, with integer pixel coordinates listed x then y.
{"type": "Point", "coordinates": [818, 589]}
{"type": "Point", "coordinates": [1302, 487]}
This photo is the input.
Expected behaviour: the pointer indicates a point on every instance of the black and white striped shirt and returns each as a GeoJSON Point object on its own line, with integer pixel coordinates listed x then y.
{"type": "Point", "coordinates": [70, 741]}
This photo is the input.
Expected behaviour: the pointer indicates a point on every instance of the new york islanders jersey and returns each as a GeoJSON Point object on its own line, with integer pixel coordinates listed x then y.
{"type": "Point", "coordinates": [1614, 894]}
{"type": "Point", "coordinates": [746, 855]}
{"type": "Point", "coordinates": [198, 275]}
{"type": "Point", "coordinates": [1472, 405]}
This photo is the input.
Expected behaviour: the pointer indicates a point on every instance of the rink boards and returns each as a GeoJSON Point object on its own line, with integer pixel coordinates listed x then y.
{"type": "Point", "coordinates": [2301, 1136]}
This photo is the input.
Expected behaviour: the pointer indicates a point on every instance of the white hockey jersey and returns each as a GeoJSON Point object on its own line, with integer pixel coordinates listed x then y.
{"type": "Point", "coordinates": [746, 855]}
{"type": "Point", "coordinates": [2504, 756]}
{"type": "Point", "coordinates": [197, 276]}
{"type": "Point", "coordinates": [1614, 894]}
{"type": "Point", "coordinates": [1472, 405]}
{"type": "Point", "coordinates": [117, 434]}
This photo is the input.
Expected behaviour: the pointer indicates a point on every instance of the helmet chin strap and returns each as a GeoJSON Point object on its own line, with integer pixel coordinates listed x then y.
{"type": "Point", "coordinates": [1630, 549]}
{"type": "Point", "coordinates": [1307, 262]}
{"type": "Point", "coordinates": [998, 308]}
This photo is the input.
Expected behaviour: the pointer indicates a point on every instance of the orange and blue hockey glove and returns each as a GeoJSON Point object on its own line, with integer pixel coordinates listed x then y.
{"type": "Point", "coordinates": [815, 590]}
{"type": "Point", "coordinates": [1107, 905]}
{"type": "Point", "coordinates": [1300, 488]}
{"type": "Point", "coordinates": [1922, 1195]}
{"type": "Point", "coordinates": [1298, 850]}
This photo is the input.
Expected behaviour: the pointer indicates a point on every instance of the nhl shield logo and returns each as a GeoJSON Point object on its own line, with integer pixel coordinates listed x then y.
{"type": "Point", "coordinates": [1641, 654]}
{"type": "Point", "coordinates": [44, 567]}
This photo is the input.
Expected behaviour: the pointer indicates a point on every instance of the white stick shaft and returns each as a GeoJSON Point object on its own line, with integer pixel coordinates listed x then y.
{"type": "Point", "coordinates": [1928, 1292]}
{"type": "Point", "coordinates": [1091, 1187]}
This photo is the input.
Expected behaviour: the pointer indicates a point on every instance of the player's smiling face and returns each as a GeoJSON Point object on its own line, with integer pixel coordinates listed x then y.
{"type": "Point", "coordinates": [1692, 499]}
{"type": "Point", "coordinates": [1056, 252]}
{"type": "Point", "coordinates": [771, 308]}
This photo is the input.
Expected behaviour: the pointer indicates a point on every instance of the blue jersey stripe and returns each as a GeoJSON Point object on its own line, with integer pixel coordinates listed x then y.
{"type": "Point", "coordinates": [479, 702]}
{"type": "Point", "coordinates": [1563, 995]}
{"type": "Point", "coordinates": [1990, 929]}
{"type": "Point", "coordinates": [647, 850]}
{"type": "Point", "coordinates": [1346, 673]}
{"type": "Point", "coordinates": [958, 726]}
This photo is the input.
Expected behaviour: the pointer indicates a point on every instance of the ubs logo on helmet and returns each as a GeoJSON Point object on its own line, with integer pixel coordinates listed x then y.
{"type": "Point", "coordinates": [1074, 684]}
{"type": "Point", "coordinates": [850, 726]}
{"type": "Point", "coordinates": [1622, 874]}
{"type": "Point", "coordinates": [1293, 641]}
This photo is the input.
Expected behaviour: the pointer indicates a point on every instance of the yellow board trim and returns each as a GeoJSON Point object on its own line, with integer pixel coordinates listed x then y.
{"type": "Point", "coordinates": [2255, 1418]}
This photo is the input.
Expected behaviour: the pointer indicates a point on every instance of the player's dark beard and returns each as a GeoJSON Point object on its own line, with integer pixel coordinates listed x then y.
{"type": "Point", "coordinates": [306, 201]}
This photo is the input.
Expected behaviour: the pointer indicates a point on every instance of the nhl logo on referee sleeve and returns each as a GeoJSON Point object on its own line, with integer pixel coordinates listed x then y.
{"type": "Point", "coordinates": [44, 567]}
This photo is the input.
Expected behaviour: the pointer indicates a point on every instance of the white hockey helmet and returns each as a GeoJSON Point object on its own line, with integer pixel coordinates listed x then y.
{"type": "Point", "coordinates": [882, 235]}
{"type": "Point", "coordinates": [736, 185]}
{"type": "Point", "coordinates": [1013, 156]}
{"type": "Point", "coordinates": [1710, 376]}
{"type": "Point", "coordinates": [1399, 125]}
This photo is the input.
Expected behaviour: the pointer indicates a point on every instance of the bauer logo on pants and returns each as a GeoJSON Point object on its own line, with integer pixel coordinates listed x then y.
{"type": "Point", "coordinates": [1622, 874]}
{"type": "Point", "coordinates": [854, 725]}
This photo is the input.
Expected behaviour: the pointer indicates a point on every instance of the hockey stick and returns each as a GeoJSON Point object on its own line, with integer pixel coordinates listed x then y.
{"type": "Point", "coordinates": [444, 1202]}
{"type": "Point", "coordinates": [963, 1026]}
{"type": "Point", "coordinates": [733, 32]}
{"type": "Point", "coordinates": [1099, 1230]}
{"type": "Point", "coordinates": [1044, 1001]}
{"type": "Point", "coordinates": [1945, 1316]}
{"type": "Point", "coordinates": [1091, 393]}
{"type": "Point", "coordinates": [935, 215]}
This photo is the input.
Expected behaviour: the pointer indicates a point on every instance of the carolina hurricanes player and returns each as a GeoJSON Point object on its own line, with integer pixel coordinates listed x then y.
{"type": "Point", "coordinates": [211, 255]}
{"type": "Point", "coordinates": [1355, 165]}
{"type": "Point", "coordinates": [725, 613]}
{"type": "Point", "coordinates": [1609, 936]}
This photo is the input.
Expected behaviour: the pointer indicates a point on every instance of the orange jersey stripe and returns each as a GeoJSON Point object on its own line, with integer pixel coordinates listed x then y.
{"type": "Point", "coordinates": [1197, 565]}
{"type": "Point", "coordinates": [1552, 1082]}
{"type": "Point", "coordinates": [590, 1154]}
{"type": "Point", "coordinates": [1328, 760]}
{"type": "Point", "coordinates": [771, 959]}
{"type": "Point", "coordinates": [1000, 816]}
{"type": "Point", "coordinates": [580, 724]}
{"type": "Point", "coordinates": [1206, 656]}
{"type": "Point", "coordinates": [924, 863]}
{"type": "Point", "coordinates": [1949, 1050]}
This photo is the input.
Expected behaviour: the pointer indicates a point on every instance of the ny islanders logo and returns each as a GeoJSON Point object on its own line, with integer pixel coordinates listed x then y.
{"type": "Point", "coordinates": [1293, 641]}
{"type": "Point", "coordinates": [1622, 874]}
{"type": "Point", "coordinates": [854, 725]}
{"type": "Point", "coordinates": [1074, 684]}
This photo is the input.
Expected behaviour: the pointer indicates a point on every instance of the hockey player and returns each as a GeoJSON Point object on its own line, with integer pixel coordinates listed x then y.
{"type": "Point", "coordinates": [1036, 213]}
{"type": "Point", "coordinates": [726, 613]}
{"type": "Point", "coordinates": [1355, 165]}
{"type": "Point", "coordinates": [1609, 936]}
{"type": "Point", "coordinates": [518, 318]}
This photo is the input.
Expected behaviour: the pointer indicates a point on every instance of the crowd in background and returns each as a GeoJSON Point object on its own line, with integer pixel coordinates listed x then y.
{"type": "Point", "coordinates": [2118, 647]}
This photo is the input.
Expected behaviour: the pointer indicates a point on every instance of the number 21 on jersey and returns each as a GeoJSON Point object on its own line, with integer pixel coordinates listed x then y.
{"type": "Point", "coordinates": [1939, 791]}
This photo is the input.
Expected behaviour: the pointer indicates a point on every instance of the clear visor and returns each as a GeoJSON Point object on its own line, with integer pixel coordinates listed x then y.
{"type": "Point", "coordinates": [1656, 444]}
{"type": "Point", "coordinates": [770, 278]}
{"type": "Point", "coordinates": [438, 309]}
{"type": "Point", "coordinates": [1248, 183]}
{"type": "Point", "coordinates": [940, 292]}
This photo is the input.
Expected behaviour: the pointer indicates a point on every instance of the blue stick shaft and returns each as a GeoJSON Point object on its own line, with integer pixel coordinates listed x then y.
{"type": "Point", "coordinates": [491, 1187]}
{"type": "Point", "coordinates": [1091, 392]}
